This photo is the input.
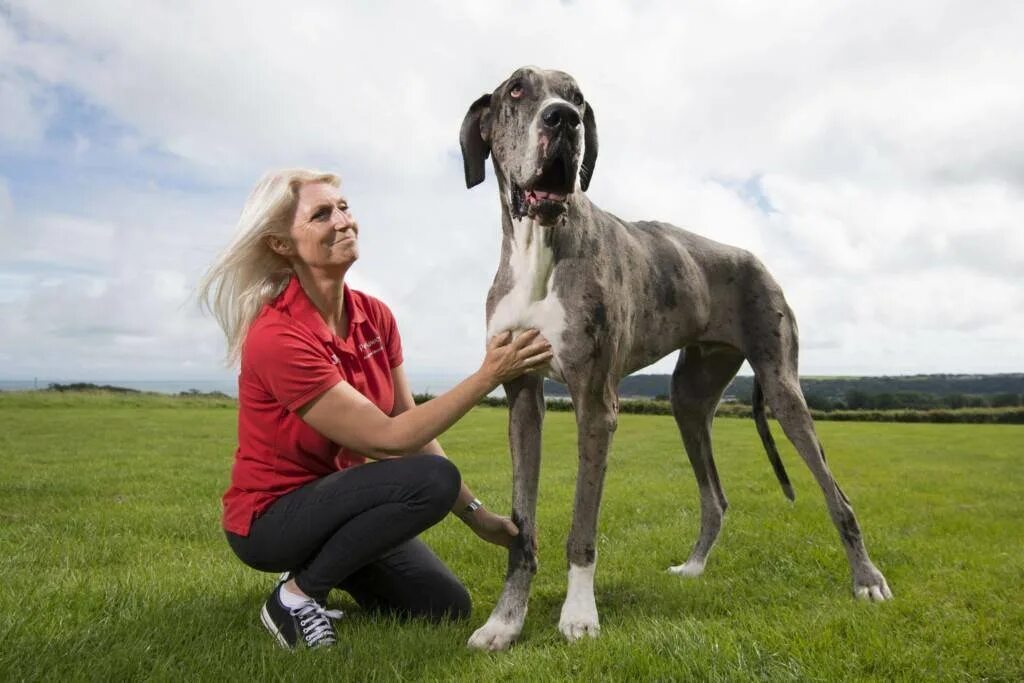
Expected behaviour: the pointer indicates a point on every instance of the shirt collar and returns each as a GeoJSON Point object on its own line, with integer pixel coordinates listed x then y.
{"type": "Point", "coordinates": [297, 303]}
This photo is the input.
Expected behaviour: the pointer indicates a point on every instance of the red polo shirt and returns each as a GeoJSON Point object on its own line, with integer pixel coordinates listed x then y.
{"type": "Point", "coordinates": [289, 358]}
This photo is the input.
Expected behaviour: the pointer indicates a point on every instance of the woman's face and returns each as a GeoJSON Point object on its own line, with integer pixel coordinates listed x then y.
{"type": "Point", "coordinates": [323, 233]}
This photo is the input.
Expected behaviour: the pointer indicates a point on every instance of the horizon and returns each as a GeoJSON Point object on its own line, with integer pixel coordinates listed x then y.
{"type": "Point", "coordinates": [72, 378]}
{"type": "Point", "coordinates": [434, 383]}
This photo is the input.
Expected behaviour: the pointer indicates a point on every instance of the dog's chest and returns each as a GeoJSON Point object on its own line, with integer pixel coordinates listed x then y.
{"type": "Point", "coordinates": [531, 301]}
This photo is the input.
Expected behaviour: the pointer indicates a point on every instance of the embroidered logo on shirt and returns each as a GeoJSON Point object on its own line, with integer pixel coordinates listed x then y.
{"type": "Point", "coordinates": [371, 347]}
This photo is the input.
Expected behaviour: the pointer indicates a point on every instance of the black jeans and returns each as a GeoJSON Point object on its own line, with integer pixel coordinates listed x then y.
{"type": "Point", "coordinates": [356, 530]}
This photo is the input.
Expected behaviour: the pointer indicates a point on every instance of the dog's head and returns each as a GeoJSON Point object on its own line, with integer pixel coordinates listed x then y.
{"type": "Point", "coordinates": [542, 135]}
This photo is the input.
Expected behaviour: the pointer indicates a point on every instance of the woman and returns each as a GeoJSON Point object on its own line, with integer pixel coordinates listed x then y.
{"type": "Point", "coordinates": [321, 389]}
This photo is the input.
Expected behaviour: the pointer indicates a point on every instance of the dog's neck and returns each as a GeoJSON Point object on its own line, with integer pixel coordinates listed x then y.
{"type": "Point", "coordinates": [530, 251]}
{"type": "Point", "coordinates": [531, 256]}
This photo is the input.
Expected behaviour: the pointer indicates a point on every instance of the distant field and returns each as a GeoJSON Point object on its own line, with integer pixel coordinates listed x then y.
{"type": "Point", "coordinates": [114, 566]}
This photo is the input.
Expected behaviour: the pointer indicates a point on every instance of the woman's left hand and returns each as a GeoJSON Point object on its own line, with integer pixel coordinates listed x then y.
{"type": "Point", "coordinates": [491, 527]}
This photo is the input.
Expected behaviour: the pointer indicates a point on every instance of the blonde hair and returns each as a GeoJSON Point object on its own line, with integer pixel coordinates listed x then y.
{"type": "Point", "coordinates": [248, 274]}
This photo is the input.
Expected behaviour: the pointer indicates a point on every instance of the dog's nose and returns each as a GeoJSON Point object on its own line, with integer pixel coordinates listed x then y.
{"type": "Point", "coordinates": [557, 116]}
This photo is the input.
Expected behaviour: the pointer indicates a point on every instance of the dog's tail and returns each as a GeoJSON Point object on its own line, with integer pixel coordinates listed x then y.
{"type": "Point", "coordinates": [761, 420]}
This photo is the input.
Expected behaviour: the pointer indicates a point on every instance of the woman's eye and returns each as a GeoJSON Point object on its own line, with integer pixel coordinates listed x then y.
{"type": "Point", "coordinates": [516, 91]}
{"type": "Point", "coordinates": [322, 214]}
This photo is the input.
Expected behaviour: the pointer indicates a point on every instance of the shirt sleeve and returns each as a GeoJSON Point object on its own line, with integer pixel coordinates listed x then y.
{"type": "Point", "coordinates": [292, 367]}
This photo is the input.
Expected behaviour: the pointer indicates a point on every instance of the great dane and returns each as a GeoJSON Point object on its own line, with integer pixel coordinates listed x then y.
{"type": "Point", "coordinates": [612, 297]}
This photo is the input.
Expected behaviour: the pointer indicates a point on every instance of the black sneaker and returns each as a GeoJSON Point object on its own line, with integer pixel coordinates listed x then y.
{"type": "Point", "coordinates": [309, 623]}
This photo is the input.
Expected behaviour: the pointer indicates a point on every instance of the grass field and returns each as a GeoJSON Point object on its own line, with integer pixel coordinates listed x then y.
{"type": "Point", "coordinates": [114, 567]}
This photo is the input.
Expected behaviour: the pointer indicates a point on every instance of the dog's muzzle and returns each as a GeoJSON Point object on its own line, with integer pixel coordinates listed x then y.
{"type": "Point", "coordinates": [544, 196]}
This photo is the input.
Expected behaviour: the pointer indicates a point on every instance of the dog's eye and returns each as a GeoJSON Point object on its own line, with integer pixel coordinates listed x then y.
{"type": "Point", "coordinates": [577, 98]}
{"type": "Point", "coordinates": [516, 90]}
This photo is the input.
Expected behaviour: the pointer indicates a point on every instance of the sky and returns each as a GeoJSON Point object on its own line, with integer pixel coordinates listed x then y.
{"type": "Point", "coordinates": [871, 154]}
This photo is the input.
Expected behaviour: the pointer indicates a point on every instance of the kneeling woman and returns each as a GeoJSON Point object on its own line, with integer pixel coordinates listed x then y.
{"type": "Point", "coordinates": [322, 388]}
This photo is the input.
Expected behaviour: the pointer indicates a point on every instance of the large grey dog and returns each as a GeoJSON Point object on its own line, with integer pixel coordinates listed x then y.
{"type": "Point", "coordinates": [613, 297]}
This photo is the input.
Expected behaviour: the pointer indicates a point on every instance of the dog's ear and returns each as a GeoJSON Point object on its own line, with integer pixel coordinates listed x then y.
{"type": "Point", "coordinates": [475, 148]}
{"type": "Point", "coordinates": [590, 144]}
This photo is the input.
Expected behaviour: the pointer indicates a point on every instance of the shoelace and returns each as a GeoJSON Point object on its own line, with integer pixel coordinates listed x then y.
{"type": "Point", "coordinates": [316, 623]}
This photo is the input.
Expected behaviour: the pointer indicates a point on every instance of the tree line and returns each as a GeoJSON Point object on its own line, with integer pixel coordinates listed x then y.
{"type": "Point", "coordinates": [904, 392]}
{"type": "Point", "coordinates": [858, 399]}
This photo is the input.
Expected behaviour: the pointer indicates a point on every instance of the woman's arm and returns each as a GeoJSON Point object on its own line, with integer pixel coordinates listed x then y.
{"type": "Point", "coordinates": [349, 419]}
{"type": "Point", "coordinates": [487, 525]}
{"type": "Point", "coordinates": [404, 402]}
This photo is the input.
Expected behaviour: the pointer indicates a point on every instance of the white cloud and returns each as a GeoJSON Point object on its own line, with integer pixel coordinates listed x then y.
{"type": "Point", "coordinates": [62, 241]}
{"type": "Point", "coordinates": [885, 138]}
{"type": "Point", "coordinates": [852, 228]}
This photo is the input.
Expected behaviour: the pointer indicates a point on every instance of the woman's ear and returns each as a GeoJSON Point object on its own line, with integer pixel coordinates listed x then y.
{"type": "Point", "coordinates": [279, 246]}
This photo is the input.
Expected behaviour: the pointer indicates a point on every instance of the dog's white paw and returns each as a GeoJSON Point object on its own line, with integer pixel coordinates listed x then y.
{"type": "Point", "coordinates": [691, 568]}
{"type": "Point", "coordinates": [579, 611]}
{"type": "Point", "coordinates": [494, 635]}
{"type": "Point", "coordinates": [579, 621]}
{"type": "Point", "coordinates": [870, 585]}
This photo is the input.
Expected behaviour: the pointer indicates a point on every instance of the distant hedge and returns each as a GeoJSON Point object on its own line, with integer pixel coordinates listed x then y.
{"type": "Point", "coordinates": [941, 415]}
{"type": "Point", "coordinates": [1009, 415]}
{"type": "Point", "coordinates": [89, 386]}
{"type": "Point", "coordinates": [970, 415]}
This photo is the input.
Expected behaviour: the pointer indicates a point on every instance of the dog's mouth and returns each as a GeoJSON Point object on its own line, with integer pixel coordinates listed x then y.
{"type": "Point", "coordinates": [546, 195]}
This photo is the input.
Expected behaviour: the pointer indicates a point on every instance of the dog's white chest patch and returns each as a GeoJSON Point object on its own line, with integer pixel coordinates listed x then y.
{"type": "Point", "coordinates": [531, 302]}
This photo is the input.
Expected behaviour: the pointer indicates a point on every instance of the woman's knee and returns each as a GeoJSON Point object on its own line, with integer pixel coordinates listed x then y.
{"type": "Point", "coordinates": [460, 605]}
{"type": "Point", "coordinates": [448, 603]}
{"type": "Point", "coordinates": [440, 478]}
{"type": "Point", "coordinates": [456, 606]}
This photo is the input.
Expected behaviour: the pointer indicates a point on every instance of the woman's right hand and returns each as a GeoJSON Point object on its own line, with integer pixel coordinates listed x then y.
{"type": "Point", "coordinates": [507, 358]}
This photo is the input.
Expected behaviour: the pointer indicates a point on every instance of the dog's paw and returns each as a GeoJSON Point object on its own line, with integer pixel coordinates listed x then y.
{"type": "Point", "coordinates": [574, 629]}
{"type": "Point", "coordinates": [869, 584]}
{"type": "Point", "coordinates": [579, 620]}
{"type": "Point", "coordinates": [691, 568]}
{"type": "Point", "coordinates": [494, 635]}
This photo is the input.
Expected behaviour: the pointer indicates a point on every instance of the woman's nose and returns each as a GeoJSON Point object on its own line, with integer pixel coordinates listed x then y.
{"type": "Point", "coordinates": [343, 219]}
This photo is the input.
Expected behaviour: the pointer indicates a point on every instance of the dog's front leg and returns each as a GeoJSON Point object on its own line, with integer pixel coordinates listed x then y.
{"type": "Point", "coordinates": [526, 416]}
{"type": "Point", "coordinates": [596, 418]}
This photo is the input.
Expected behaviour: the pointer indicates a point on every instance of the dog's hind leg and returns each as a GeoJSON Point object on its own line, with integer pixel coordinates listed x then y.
{"type": "Point", "coordinates": [526, 416]}
{"type": "Point", "coordinates": [596, 419]}
{"type": "Point", "coordinates": [701, 375]}
{"type": "Point", "coordinates": [774, 359]}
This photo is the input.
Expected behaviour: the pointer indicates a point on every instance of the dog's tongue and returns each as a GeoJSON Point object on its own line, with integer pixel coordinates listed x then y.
{"type": "Point", "coordinates": [534, 196]}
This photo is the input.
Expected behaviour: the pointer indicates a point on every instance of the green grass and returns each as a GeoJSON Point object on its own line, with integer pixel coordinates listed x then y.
{"type": "Point", "coordinates": [114, 566]}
